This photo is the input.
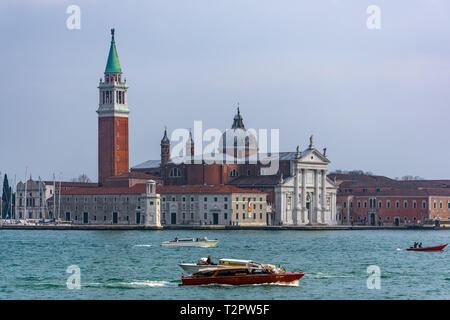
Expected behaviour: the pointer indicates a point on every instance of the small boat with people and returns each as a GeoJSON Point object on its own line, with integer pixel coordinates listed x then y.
{"type": "Point", "coordinates": [204, 263]}
{"type": "Point", "coordinates": [418, 247]}
{"type": "Point", "coordinates": [190, 242]}
{"type": "Point", "coordinates": [239, 275]}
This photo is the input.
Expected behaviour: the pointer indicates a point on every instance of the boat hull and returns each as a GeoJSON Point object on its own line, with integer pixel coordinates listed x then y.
{"type": "Point", "coordinates": [437, 248]}
{"type": "Point", "coordinates": [201, 244]}
{"type": "Point", "coordinates": [284, 277]}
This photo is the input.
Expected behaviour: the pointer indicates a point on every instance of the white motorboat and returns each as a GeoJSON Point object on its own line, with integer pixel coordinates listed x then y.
{"type": "Point", "coordinates": [191, 242]}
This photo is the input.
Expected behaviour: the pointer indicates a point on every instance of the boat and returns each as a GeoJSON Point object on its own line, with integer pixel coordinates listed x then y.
{"type": "Point", "coordinates": [203, 264]}
{"type": "Point", "coordinates": [191, 242]}
{"type": "Point", "coordinates": [436, 223]}
{"type": "Point", "coordinates": [436, 248]}
{"type": "Point", "coordinates": [239, 276]}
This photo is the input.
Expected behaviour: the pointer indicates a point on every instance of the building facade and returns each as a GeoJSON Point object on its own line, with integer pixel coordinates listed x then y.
{"type": "Point", "coordinates": [307, 197]}
{"type": "Point", "coordinates": [32, 196]}
{"type": "Point", "coordinates": [136, 205]}
{"type": "Point", "coordinates": [212, 205]}
{"type": "Point", "coordinates": [377, 200]}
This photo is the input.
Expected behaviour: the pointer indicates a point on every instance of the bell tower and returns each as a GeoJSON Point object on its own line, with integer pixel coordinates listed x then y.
{"type": "Point", "coordinates": [112, 119]}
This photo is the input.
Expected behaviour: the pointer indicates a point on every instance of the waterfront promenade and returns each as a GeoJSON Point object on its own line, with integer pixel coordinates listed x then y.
{"type": "Point", "coordinates": [204, 227]}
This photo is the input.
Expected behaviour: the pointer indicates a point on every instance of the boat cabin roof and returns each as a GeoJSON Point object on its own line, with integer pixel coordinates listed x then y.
{"type": "Point", "coordinates": [236, 261]}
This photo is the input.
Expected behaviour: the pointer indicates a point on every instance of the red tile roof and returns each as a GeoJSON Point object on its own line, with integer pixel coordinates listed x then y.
{"type": "Point", "coordinates": [136, 189]}
{"type": "Point", "coordinates": [134, 175]}
{"type": "Point", "coordinates": [141, 189]}
{"type": "Point", "coordinates": [211, 189]}
{"type": "Point", "coordinates": [70, 184]}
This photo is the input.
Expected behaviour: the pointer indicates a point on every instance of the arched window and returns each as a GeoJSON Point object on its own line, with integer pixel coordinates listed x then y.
{"type": "Point", "coordinates": [234, 173]}
{"type": "Point", "coordinates": [175, 172]}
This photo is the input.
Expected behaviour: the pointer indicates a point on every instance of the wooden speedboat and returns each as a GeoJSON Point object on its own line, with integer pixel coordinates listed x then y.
{"type": "Point", "coordinates": [436, 248]}
{"type": "Point", "coordinates": [190, 242]}
{"type": "Point", "coordinates": [239, 276]}
{"type": "Point", "coordinates": [203, 264]}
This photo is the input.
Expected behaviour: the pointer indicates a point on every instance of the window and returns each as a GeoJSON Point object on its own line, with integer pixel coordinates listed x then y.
{"type": "Point", "coordinates": [365, 204]}
{"type": "Point", "coordinates": [249, 172]}
{"type": "Point", "coordinates": [205, 199]}
{"type": "Point", "coordinates": [434, 204]}
{"type": "Point", "coordinates": [351, 204]}
{"type": "Point", "coordinates": [440, 205]}
{"type": "Point", "coordinates": [414, 204]}
{"type": "Point", "coordinates": [234, 173]}
{"type": "Point", "coordinates": [206, 216]}
{"type": "Point", "coordinates": [388, 204]}
{"type": "Point", "coordinates": [225, 206]}
{"type": "Point", "coordinates": [424, 204]}
{"type": "Point", "coordinates": [379, 204]}
{"type": "Point", "coordinates": [215, 199]}
{"type": "Point", "coordinates": [225, 199]}
{"type": "Point", "coordinates": [405, 204]}
{"type": "Point", "coordinates": [174, 173]}
{"type": "Point", "coordinates": [225, 216]}
{"type": "Point", "coordinates": [397, 204]}
{"type": "Point", "coordinates": [345, 204]}
{"type": "Point", "coordinates": [359, 204]}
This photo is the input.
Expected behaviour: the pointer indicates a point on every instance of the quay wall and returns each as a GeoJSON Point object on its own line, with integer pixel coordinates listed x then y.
{"type": "Point", "coordinates": [207, 227]}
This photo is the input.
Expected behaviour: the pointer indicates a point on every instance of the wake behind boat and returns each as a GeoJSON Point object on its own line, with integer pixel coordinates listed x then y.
{"type": "Point", "coordinates": [190, 242]}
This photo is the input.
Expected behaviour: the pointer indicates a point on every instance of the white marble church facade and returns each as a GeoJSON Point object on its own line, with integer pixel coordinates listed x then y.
{"type": "Point", "coordinates": [307, 196]}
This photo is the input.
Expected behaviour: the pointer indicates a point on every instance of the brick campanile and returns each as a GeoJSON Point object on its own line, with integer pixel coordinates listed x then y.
{"type": "Point", "coordinates": [112, 119]}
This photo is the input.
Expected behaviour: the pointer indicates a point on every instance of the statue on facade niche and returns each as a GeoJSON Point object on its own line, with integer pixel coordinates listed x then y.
{"type": "Point", "coordinates": [311, 142]}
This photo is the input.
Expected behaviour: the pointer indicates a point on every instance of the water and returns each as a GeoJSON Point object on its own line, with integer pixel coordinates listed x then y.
{"type": "Point", "coordinates": [133, 265]}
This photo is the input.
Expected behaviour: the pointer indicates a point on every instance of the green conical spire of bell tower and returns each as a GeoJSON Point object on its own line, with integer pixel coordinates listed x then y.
{"type": "Point", "coordinates": [113, 65]}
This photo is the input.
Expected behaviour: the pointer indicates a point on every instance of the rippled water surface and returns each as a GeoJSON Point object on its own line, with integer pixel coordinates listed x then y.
{"type": "Point", "coordinates": [133, 265]}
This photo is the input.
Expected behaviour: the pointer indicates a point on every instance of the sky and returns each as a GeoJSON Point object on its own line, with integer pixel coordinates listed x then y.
{"type": "Point", "coordinates": [377, 99]}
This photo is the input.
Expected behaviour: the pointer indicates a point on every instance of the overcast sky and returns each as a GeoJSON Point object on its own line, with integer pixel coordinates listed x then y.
{"type": "Point", "coordinates": [378, 100]}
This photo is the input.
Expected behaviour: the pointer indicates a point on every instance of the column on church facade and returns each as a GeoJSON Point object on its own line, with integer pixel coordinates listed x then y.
{"type": "Point", "coordinates": [295, 211]}
{"type": "Point", "coordinates": [303, 202]}
{"type": "Point", "coordinates": [324, 195]}
{"type": "Point", "coordinates": [316, 196]}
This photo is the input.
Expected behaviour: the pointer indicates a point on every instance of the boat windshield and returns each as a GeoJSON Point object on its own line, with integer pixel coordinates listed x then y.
{"type": "Point", "coordinates": [232, 272]}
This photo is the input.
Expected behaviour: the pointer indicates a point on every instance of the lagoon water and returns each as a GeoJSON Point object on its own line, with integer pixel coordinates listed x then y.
{"type": "Point", "coordinates": [133, 265]}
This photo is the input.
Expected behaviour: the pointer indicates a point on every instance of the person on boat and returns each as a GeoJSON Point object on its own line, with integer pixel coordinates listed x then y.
{"type": "Point", "coordinates": [205, 239]}
{"type": "Point", "coordinates": [420, 245]}
{"type": "Point", "coordinates": [209, 261]}
{"type": "Point", "coordinates": [176, 239]}
{"type": "Point", "coordinates": [415, 244]}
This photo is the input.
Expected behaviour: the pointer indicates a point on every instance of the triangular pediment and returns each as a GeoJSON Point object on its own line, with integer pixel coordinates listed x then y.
{"type": "Point", "coordinates": [313, 156]}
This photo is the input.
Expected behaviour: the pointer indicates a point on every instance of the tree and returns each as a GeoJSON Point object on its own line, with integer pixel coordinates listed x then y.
{"type": "Point", "coordinates": [6, 198]}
